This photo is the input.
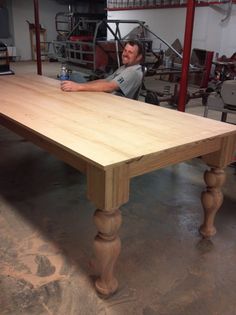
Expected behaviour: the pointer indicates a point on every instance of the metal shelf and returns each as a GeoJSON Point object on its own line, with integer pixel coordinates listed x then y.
{"type": "Point", "coordinates": [165, 4]}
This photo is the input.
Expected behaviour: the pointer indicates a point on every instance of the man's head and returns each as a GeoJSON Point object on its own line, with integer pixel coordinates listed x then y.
{"type": "Point", "coordinates": [132, 53]}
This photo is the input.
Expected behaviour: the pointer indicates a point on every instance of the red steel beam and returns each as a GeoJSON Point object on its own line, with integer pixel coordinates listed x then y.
{"type": "Point", "coordinates": [186, 54]}
{"type": "Point", "coordinates": [37, 37]}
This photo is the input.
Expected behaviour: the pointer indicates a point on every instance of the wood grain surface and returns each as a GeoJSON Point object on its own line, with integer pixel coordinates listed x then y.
{"type": "Point", "coordinates": [112, 139]}
{"type": "Point", "coordinates": [101, 128]}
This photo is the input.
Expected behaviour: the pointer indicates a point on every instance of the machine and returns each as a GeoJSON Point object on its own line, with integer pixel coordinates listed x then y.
{"type": "Point", "coordinates": [223, 100]}
{"type": "Point", "coordinates": [4, 60]}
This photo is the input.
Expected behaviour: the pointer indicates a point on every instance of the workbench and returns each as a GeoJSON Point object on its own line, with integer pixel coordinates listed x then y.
{"type": "Point", "coordinates": [112, 139]}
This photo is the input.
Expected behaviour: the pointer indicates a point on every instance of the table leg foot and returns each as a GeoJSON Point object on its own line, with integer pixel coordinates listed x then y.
{"type": "Point", "coordinates": [212, 199]}
{"type": "Point", "coordinates": [107, 247]}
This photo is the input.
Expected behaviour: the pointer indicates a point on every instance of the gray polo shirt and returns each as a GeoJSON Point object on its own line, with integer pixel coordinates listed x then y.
{"type": "Point", "coordinates": [129, 79]}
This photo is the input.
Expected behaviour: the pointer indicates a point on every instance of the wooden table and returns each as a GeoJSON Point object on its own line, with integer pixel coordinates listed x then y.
{"type": "Point", "coordinates": [112, 139]}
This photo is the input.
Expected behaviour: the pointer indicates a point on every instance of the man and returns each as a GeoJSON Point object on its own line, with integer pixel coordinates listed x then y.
{"type": "Point", "coordinates": [125, 81]}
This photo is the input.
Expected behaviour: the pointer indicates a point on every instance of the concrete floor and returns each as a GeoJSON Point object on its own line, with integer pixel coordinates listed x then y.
{"type": "Point", "coordinates": [165, 268]}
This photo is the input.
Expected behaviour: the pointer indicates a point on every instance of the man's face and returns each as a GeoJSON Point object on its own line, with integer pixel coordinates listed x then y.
{"type": "Point", "coordinates": [130, 55]}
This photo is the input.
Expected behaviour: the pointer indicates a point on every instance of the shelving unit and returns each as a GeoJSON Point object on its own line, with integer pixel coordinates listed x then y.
{"type": "Point", "coordinates": [44, 45]}
{"type": "Point", "coordinates": [4, 60]}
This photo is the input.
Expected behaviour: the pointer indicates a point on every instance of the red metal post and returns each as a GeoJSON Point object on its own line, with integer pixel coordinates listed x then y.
{"type": "Point", "coordinates": [186, 54]}
{"type": "Point", "coordinates": [37, 37]}
{"type": "Point", "coordinates": [207, 70]}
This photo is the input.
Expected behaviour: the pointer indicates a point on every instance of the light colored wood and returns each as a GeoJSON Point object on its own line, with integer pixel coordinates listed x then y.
{"type": "Point", "coordinates": [102, 128]}
{"type": "Point", "coordinates": [212, 199]}
{"type": "Point", "coordinates": [41, 142]}
{"type": "Point", "coordinates": [112, 139]}
{"type": "Point", "coordinates": [223, 156]}
{"type": "Point", "coordinates": [107, 249]}
{"type": "Point", "coordinates": [108, 189]}
{"type": "Point", "coordinates": [182, 153]}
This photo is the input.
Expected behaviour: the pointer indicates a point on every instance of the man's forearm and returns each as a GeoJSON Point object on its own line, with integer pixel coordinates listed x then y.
{"type": "Point", "coordinates": [98, 86]}
{"type": "Point", "coordinates": [93, 86]}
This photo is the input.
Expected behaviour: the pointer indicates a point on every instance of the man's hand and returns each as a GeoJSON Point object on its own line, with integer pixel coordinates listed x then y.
{"type": "Point", "coordinates": [70, 86]}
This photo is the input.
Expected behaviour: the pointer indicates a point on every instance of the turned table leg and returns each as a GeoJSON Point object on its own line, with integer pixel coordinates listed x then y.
{"type": "Point", "coordinates": [212, 199]}
{"type": "Point", "coordinates": [108, 189]}
{"type": "Point", "coordinates": [107, 249]}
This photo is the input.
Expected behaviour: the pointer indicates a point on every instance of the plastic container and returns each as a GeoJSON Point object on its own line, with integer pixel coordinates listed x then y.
{"type": "Point", "coordinates": [64, 75]}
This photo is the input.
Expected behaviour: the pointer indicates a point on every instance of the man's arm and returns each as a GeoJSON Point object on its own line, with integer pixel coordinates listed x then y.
{"type": "Point", "coordinates": [93, 86]}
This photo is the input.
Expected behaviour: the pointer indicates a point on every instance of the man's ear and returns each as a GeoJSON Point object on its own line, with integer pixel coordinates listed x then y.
{"type": "Point", "coordinates": [139, 57]}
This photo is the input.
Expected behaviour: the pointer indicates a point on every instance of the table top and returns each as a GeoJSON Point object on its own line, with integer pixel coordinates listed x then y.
{"type": "Point", "coordinates": [101, 128]}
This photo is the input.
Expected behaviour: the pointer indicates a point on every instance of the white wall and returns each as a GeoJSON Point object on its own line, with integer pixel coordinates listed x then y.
{"type": "Point", "coordinates": [159, 21]}
{"type": "Point", "coordinates": [228, 38]}
{"type": "Point", "coordinates": [24, 10]}
{"type": "Point", "coordinates": [209, 33]}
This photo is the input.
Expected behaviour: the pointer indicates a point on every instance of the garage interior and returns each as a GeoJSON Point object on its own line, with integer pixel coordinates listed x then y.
{"type": "Point", "coordinates": [46, 221]}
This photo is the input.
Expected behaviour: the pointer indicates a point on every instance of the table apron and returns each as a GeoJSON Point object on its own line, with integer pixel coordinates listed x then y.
{"type": "Point", "coordinates": [172, 156]}
{"type": "Point", "coordinates": [51, 147]}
